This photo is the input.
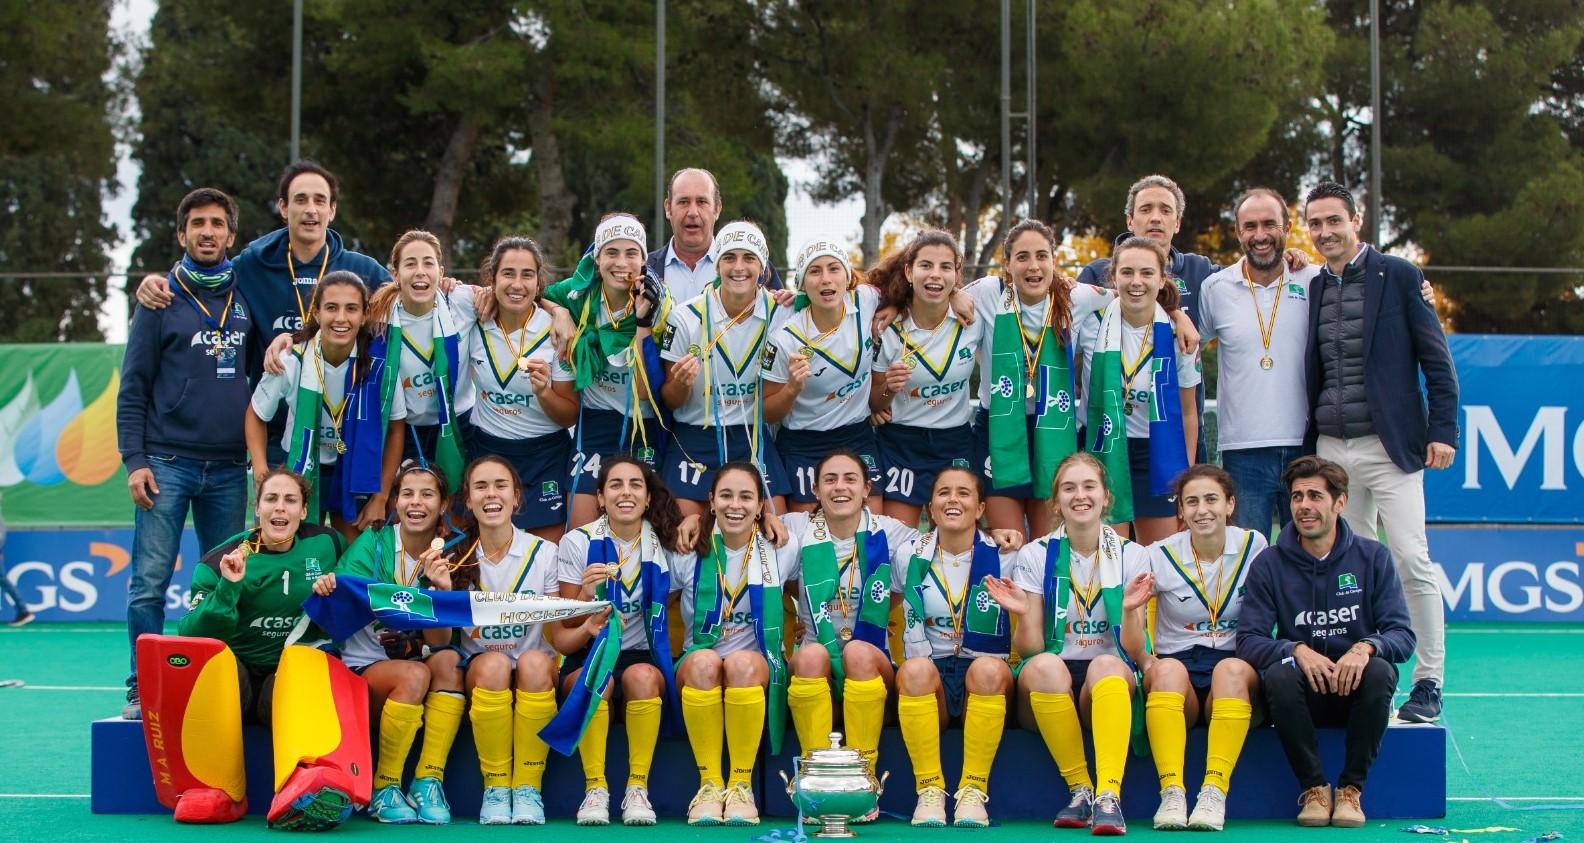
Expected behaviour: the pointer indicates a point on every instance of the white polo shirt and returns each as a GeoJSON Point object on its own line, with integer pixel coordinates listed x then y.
{"type": "Point", "coordinates": [1257, 407]}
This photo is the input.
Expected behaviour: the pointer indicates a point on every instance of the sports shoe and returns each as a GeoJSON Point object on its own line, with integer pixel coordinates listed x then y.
{"type": "Point", "coordinates": [740, 808]}
{"type": "Point", "coordinates": [930, 812]}
{"type": "Point", "coordinates": [1316, 810]}
{"type": "Point", "coordinates": [1107, 820]}
{"type": "Point", "coordinates": [1347, 812]}
{"type": "Point", "coordinates": [208, 805]}
{"type": "Point", "coordinates": [1172, 815]}
{"type": "Point", "coordinates": [1423, 705]}
{"type": "Point", "coordinates": [970, 808]}
{"type": "Point", "coordinates": [312, 799]}
{"type": "Point", "coordinates": [390, 805]}
{"type": "Point", "coordinates": [635, 806]}
{"type": "Point", "coordinates": [497, 807]}
{"type": "Point", "coordinates": [1079, 809]}
{"type": "Point", "coordinates": [707, 807]}
{"type": "Point", "coordinates": [133, 710]}
{"type": "Point", "coordinates": [1209, 813]}
{"type": "Point", "coordinates": [22, 619]}
{"type": "Point", "coordinates": [595, 809]}
{"type": "Point", "coordinates": [427, 795]}
{"type": "Point", "coordinates": [527, 806]}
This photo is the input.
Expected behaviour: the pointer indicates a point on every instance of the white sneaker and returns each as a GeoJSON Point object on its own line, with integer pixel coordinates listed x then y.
{"type": "Point", "coordinates": [1173, 812]}
{"type": "Point", "coordinates": [970, 809]}
{"type": "Point", "coordinates": [1209, 813]}
{"type": "Point", "coordinates": [636, 809]}
{"type": "Point", "coordinates": [527, 805]}
{"type": "Point", "coordinates": [740, 808]}
{"type": "Point", "coordinates": [497, 806]}
{"type": "Point", "coordinates": [595, 809]}
{"type": "Point", "coordinates": [930, 812]}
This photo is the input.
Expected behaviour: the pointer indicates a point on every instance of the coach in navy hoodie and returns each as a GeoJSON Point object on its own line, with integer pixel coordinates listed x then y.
{"type": "Point", "coordinates": [1340, 630]}
{"type": "Point", "coordinates": [183, 388]}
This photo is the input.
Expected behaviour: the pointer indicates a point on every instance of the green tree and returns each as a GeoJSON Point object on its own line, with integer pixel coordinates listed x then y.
{"type": "Point", "coordinates": [57, 162]}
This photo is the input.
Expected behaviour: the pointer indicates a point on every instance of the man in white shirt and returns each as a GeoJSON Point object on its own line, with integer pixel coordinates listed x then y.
{"type": "Point", "coordinates": [692, 206]}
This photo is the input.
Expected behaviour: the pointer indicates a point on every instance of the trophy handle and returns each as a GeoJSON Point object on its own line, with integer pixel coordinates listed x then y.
{"type": "Point", "coordinates": [790, 788]}
{"type": "Point", "coordinates": [880, 786]}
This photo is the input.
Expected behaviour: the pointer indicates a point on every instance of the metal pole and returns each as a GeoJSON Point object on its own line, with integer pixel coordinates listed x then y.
{"type": "Point", "coordinates": [1376, 203]}
{"type": "Point", "coordinates": [1028, 117]}
{"type": "Point", "coordinates": [296, 81]}
{"type": "Point", "coordinates": [657, 231]}
{"type": "Point", "coordinates": [1006, 110]}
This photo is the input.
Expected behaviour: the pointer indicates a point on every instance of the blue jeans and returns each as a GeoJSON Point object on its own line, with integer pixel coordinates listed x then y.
{"type": "Point", "coordinates": [216, 491]}
{"type": "Point", "coordinates": [1260, 494]}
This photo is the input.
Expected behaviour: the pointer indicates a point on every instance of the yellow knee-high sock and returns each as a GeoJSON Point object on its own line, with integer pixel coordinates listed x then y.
{"type": "Point", "coordinates": [919, 718]}
{"type": "Point", "coordinates": [399, 724]}
{"type": "Point", "coordinates": [1229, 726]}
{"type": "Point", "coordinates": [1111, 718]}
{"type": "Point", "coordinates": [745, 719]}
{"type": "Point", "coordinates": [643, 732]}
{"type": "Point", "coordinates": [863, 713]}
{"type": "Point", "coordinates": [491, 715]}
{"type": "Point", "coordinates": [704, 717]}
{"type": "Point", "coordinates": [1058, 725]}
{"type": "Point", "coordinates": [984, 719]}
{"type": "Point", "coordinates": [809, 699]}
{"type": "Point", "coordinates": [591, 750]}
{"type": "Point", "coordinates": [442, 718]}
{"type": "Point", "coordinates": [534, 710]}
{"type": "Point", "coordinates": [1168, 735]}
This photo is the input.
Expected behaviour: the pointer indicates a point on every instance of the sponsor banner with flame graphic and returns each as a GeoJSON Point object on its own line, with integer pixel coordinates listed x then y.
{"type": "Point", "coordinates": [83, 575]}
{"type": "Point", "coordinates": [58, 460]}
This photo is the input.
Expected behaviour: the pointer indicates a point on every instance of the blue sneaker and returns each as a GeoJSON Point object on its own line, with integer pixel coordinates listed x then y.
{"type": "Point", "coordinates": [1107, 821]}
{"type": "Point", "coordinates": [497, 807]}
{"type": "Point", "coordinates": [390, 806]}
{"type": "Point", "coordinates": [428, 796]}
{"type": "Point", "coordinates": [527, 806]}
{"type": "Point", "coordinates": [1078, 811]}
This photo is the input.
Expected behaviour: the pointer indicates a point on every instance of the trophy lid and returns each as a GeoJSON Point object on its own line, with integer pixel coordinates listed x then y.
{"type": "Point", "coordinates": [835, 757]}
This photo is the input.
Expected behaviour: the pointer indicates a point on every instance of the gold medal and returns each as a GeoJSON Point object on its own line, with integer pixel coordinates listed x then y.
{"type": "Point", "coordinates": [696, 350]}
{"type": "Point", "coordinates": [807, 351]}
{"type": "Point", "coordinates": [437, 544]}
{"type": "Point", "coordinates": [911, 362]}
{"type": "Point", "coordinates": [845, 633]}
{"type": "Point", "coordinates": [1266, 362]}
{"type": "Point", "coordinates": [1028, 392]}
{"type": "Point", "coordinates": [244, 550]}
{"type": "Point", "coordinates": [340, 447]}
{"type": "Point", "coordinates": [522, 365]}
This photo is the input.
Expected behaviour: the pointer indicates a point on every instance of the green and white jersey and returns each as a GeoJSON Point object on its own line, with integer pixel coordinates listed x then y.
{"type": "Point", "coordinates": [737, 622]}
{"type": "Point", "coordinates": [849, 577]}
{"type": "Point", "coordinates": [528, 567]}
{"type": "Point", "coordinates": [254, 615]}
{"type": "Point", "coordinates": [945, 591]}
{"type": "Point", "coordinates": [1089, 628]}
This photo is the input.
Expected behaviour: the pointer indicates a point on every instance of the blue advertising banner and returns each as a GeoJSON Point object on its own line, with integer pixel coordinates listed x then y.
{"type": "Point", "coordinates": [1510, 574]}
{"type": "Point", "coordinates": [83, 575]}
{"type": "Point", "coordinates": [1521, 460]}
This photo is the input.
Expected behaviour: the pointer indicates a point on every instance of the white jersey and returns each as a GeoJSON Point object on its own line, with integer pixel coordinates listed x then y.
{"type": "Point", "coordinates": [529, 567]}
{"type": "Point", "coordinates": [849, 576]}
{"type": "Point", "coordinates": [731, 374]}
{"type": "Point", "coordinates": [837, 391]}
{"type": "Point", "coordinates": [987, 294]}
{"type": "Point", "coordinates": [942, 360]}
{"type": "Point", "coordinates": [1184, 591]}
{"type": "Point", "coordinates": [418, 383]}
{"type": "Point", "coordinates": [1135, 359]}
{"type": "Point", "coordinates": [737, 630]}
{"type": "Point", "coordinates": [572, 558]}
{"type": "Point", "coordinates": [507, 407]}
{"type": "Point", "coordinates": [275, 390]}
{"type": "Point", "coordinates": [1089, 628]}
{"type": "Point", "coordinates": [944, 591]}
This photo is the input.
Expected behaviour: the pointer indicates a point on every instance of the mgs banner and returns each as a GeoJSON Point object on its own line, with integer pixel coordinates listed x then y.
{"type": "Point", "coordinates": [58, 460]}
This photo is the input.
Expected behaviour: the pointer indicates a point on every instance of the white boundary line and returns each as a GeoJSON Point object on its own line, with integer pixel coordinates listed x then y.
{"type": "Point", "coordinates": [93, 688]}
{"type": "Point", "coordinates": [1515, 798]}
{"type": "Point", "coordinates": [1538, 629]}
{"type": "Point", "coordinates": [44, 796]}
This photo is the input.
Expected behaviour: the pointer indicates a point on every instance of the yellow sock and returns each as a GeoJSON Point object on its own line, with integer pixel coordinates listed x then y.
{"type": "Point", "coordinates": [919, 718]}
{"type": "Point", "coordinates": [643, 732]}
{"type": "Point", "coordinates": [984, 718]}
{"type": "Point", "coordinates": [745, 719]}
{"type": "Point", "coordinates": [591, 750]}
{"type": "Point", "coordinates": [703, 715]}
{"type": "Point", "coordinates": [809, 699]}
{"type": "Point", "coordinates": [442, 718]}
{"type": "Point", "coordinates": [1168, 735]}
{"type": "Point", "coordinates": [1111, 718]}
{"type": "Point", "coordinates": [1058, 725]}
{"type": "Point", "coordinates": [491, 716]}
{"type": "Point", "coordinates": [863, 710]}
{"type": "Point", "coordinates": [399, 724]}
{"type": "Point", "coordinates": [529, 751]}
{"type": "Point", "coordinates": [1229, 725]}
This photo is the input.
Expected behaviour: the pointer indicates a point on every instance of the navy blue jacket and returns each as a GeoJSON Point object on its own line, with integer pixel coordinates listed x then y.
{"type": "Point", "coordinates": [171, 399]}
{"type": "Point", "coordinates": [1402, 338]}
{"type": "Point", "coordinates": [1189, 269]}
{"type": "Point", "coordinates": [1330, 604]}
{"type": "Point", "coordinates": [769, 279]}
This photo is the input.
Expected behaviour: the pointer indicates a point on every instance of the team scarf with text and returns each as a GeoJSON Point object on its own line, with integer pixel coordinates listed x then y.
{"type": "Point", "coordinates": [1108, 385]}
{"type": "Point", "coordinates": [357, 602]}
{"type": "Point", "coordinates": [444, 358]}
{"type": "Point", "coordinates": [711, 605]}
{"type": "Point", "coordinates": [364, 419]}
{"type": "Point", "coordinates": [987, 627]}
{"type": "Point", "coordinates": [1015, 460]}
{"type": "Point", "coordinates": [822, 576]}
{"type": "Point", "coordinates": [565, 731]}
